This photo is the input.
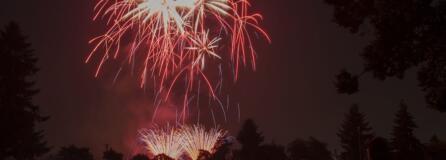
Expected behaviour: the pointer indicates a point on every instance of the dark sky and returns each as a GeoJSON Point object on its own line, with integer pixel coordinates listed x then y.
{"type": "Point", "coordinates": [290, 95]}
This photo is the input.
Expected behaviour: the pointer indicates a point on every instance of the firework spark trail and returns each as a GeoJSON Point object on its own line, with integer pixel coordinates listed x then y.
{"type": "Point", "coordinates": [175, 39]}
{"type": "Point", "coordinates": [196, 138]}
{"type": "Point", "coordinates": [162, 141]}
{"type": "Point", "coordinates": [174, 141]}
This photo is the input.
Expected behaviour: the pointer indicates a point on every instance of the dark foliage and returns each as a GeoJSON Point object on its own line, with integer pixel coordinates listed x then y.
{"type": "Point", "coordinates": [74, 153]}
{"type": "Point", "coordinates": [379, 149]}
{"type": "Point", "coordinates": [250, 138]}
{"type": "Point", "coordinates": [347, 83]}
{"type": "Point", "coordinates": [272, 152]}
{"type": "Point", "coordinates": [406, 34]}
{"type": "Point", "coordinates": [354, 133]}
{"type": "Point", "coordinates": [437, 149]}
{"type": "Point", "coordinates": [204, 155]}
{"type": "Point", "coordinates": [19, 136]}
{"type": "Point", "coordinates": [404, 143]}
{"type": "Point", "coordinates": [224, 150]}
{"type": "Point", "coordinates": [162, 157]}
{"type": "Point", "coordinates": [311, 149]}
{"type": "Point", "coordinates": [298, 150]}
{"type": "Point", "coordinates": [110, 154]}
{"type": "Point", "coordinates": [140, 157]}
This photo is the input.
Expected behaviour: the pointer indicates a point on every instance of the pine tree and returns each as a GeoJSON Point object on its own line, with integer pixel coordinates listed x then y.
{"type": "Point", "coordinates": [405, 145]}
{"type": "Point", "coordinates": [354, 133]}
{"type": "Point", "coordinates": [250, 139]}
{"type": "Point", "coordinates": [18, 115]}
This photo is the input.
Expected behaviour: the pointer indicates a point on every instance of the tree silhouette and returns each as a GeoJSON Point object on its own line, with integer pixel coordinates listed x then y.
{"type": "Point", "coordinates": [354, 133]}
{"type": "Point", "coordinates": [110, 154]}
{"type": "Point", "coordinates": [140, 157]}
{"type": "Point", "coordinates": [318, 150]}
{"type": "Point", "coordinates": [204, 155]}
{"type": "Point", "coordinates": [298, 150]}
{"type": "Point", "coordinates": [162, 157]}
{"type": "Point", "coordinates": [250, 139]}
{"type": "Point", "coordinates": [18, 115]}
{"type": "Point", "coordinates": [311, 149]}
{"type": "Point", "coordinates": [437, 149]}
{"type": "Point", "coordinates": [379, 149]}
{"type": "Point", "coordinates": [405, 34]}
{"type": "Point", "coordinates": [406, 146]}
{"type": "Point", "coordinates": [272, 152]}
{"type": "Point", "coordinates": [74, 153]}
{"type": "Point", "coordinates": [224, 150]}
{"type": "Point", "coordinates": [346, 82]}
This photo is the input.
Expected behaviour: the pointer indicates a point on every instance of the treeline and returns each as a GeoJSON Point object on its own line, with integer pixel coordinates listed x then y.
{"type": "Point", "coordinates": [355, 135]}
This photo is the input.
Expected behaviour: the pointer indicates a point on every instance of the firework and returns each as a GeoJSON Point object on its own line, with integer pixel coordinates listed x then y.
{"type": "Point", "coordinates": [173, 142]}
{"type": "Point", "coordinates": [162, 142]}
{"type": "Point", "coordinates": [196, 139]}
{"type": "Point", "coordinates": [174, 36]}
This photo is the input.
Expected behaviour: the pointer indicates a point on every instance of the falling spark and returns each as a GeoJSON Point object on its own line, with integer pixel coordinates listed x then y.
{"type": "Point", "coordinates": [171, 40]}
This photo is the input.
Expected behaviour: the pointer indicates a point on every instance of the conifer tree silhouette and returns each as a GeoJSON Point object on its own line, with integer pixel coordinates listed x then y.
{"type": "Point", "coordinates": [404, 143]}
{"type": "Point", "coordinates": [354, 133]}
{"type": "Point", "coordinates": [250, 139]}
{"type": "Point", "coordinates": [19, 137]}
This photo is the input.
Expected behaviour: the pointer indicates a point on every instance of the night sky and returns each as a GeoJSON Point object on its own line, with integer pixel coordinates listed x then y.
{"type": "Point", "coordinates": [290, 95]}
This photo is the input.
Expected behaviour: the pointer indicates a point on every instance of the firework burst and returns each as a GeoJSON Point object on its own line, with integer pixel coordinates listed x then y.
{"type": "Point", "coordinates": [162, 141]}
{"type": "Point", "coordinates": [196, 139]}
{"type": "Point", "coordinates": [172, 40]}
{"type": "Point", "coordinates": [173, 142]}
